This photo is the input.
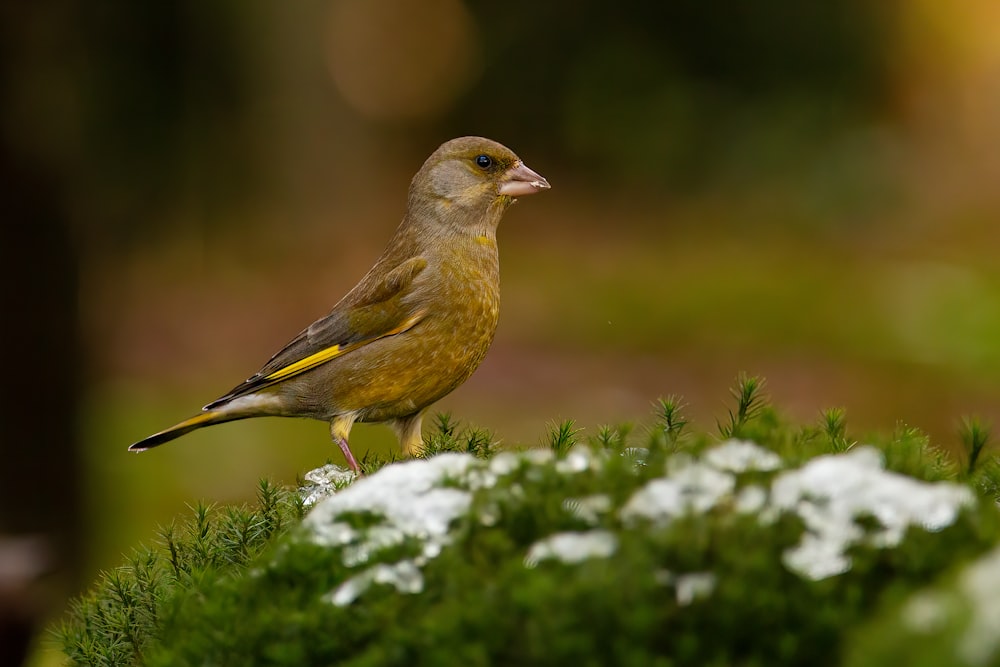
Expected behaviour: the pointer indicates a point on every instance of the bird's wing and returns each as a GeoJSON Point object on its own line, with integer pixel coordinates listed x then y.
{"type": "Point", "coordinates": [374, 310]}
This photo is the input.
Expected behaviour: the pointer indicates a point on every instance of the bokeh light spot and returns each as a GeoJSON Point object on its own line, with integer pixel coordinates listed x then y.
{"type": "Point", "coordinates": [399, 59]}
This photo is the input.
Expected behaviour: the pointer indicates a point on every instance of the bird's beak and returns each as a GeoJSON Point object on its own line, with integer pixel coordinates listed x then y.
{"type": "Point", "coordinates": [519, 181]}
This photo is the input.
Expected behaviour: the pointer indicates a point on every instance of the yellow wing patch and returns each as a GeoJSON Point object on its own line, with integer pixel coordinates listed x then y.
{"type": "Point", "coordinates": [326, 354]}
{"type": "Point", "coordinates": [305, 364]}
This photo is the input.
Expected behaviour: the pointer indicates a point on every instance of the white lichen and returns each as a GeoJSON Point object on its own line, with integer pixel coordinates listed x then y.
{"type": "Point", "coordinates": [572, 547]}
{"type": "Point", "coordinates": [537, 456]}
{"type": "Point", "coordinates": [418, 502]}
{"type": "Point", "coordinates": [830, 493]}
{"type": "Point", "coordinates": [375, 539]}
{"type": "Point", "coordinates": [407, 501]}
{"type": "Point", "coordinates": [505, 463]}
{"type": "Point", "coordinates": [751, 499]}
{"type": "Point", "coordinates": [980, 585]}
{"type": "Point", "coordinates": [693, 586]}
{"type": "Point", "coordinates": [323, 482]}
{"type": "Point", "coordinates": [742, 456]}
{"type": "Point", "coordinates": [579, 459]}
{"type": "Point", "coordinates": [404, 576]}
{"type": "Point", "coordinates": [687, 587]}
{"type": "Point", "coordinates": [689, 487]}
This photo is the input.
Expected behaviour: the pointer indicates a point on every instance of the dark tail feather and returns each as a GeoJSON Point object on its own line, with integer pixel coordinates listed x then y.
{"type": "Point", "coordinates": [186, 426]}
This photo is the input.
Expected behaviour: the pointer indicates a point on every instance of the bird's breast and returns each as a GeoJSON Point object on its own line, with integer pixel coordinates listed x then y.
{"type": "Point", "coordinates": [462, 306]}
{"type": "Point", "coordinates": [466, 309]}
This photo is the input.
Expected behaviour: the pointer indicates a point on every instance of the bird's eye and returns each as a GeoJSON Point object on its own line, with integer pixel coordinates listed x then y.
{"type": "Point", "coordinates": [484, 161]}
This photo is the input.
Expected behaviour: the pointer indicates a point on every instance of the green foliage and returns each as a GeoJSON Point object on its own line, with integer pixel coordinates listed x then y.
{"type": "Point", "coordinates": [708, 587]}
{"type": "Point", "coordinates": [952, 622]}
{"type": "Point", "coordinates": [562, 436]}
{"type": "Point", "coordinates": [670, 419]}
{"type": "Point", "coordinates": [974, 435]}
{"type": "Point", "coordinates": [115, 623]}
{"type": "Point", "coordinates": [749, 402]}
{"type": "Point", "coordinates": [450, 436]}
{"type": "Point", "coordinates": [834, 424]}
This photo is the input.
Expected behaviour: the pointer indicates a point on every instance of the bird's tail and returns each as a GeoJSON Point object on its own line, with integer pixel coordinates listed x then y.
{"type": "Point", "coordinates": [206, 418]}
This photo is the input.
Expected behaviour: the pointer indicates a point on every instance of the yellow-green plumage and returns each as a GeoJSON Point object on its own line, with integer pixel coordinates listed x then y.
{"type": "Point", "coordinates": [416, 326]}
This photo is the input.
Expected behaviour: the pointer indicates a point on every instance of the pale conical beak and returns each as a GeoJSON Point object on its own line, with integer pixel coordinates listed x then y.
{"type": "Point", "coordinates": [520, 181]}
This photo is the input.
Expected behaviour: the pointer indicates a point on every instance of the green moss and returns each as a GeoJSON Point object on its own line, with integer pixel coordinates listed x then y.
{"type": "Point", "coordinates": [117, 621]}
{"type": "Point", "coordinates": [953, 622]}
{"type": "Point", "coordinates": [251, 586]}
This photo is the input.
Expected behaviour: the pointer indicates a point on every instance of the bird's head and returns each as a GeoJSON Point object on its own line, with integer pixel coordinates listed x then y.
{"type": "Point", "coordinates": [472, 178]}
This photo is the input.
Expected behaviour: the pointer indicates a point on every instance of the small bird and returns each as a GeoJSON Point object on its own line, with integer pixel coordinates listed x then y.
{"type": "Point", "coordinates": [416, 326]}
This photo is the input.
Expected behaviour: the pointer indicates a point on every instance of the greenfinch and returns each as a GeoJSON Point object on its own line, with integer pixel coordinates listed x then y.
{"type": "Point", "coordinates": [416, 326]}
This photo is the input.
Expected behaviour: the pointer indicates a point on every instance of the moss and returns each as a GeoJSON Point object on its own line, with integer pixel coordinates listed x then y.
{"type": "Point", "coordinates": [117, 621]}
{"type": "Point", "coordinates": [706, 581]}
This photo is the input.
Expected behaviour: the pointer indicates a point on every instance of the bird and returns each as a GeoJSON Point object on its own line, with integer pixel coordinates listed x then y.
{"type": "Point", "coordinates": [417, 324]}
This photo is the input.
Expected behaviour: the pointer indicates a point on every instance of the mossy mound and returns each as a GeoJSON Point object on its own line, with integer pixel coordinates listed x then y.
{"type": "Point", "coordinates": [771, 546]}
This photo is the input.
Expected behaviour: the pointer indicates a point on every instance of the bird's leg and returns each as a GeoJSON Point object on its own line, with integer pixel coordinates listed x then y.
{"type": "Point", "coordinates": [352, 463]}
{"type": "Point", "coordinates": [408, 430]}
{"type": "Point", "coordinates": [340, 429]}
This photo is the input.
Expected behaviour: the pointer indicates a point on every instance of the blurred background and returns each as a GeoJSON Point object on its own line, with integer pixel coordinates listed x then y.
{"type": "Point", "coordinates": [803, 191]}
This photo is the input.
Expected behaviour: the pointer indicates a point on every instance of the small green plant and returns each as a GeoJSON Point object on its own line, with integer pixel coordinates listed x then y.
{"type": "Point", "coordinates": [450, 436]}
{"type": "Point", "coordinates": [670, 418]}
{"type": "Point", "coordinates": [563, 436]}
{"type": "Point", "coordinates": [974, 435]}
{"type": "Point", "coordinates": [750, 401]}
{"type": "Point", "coordinates": [834, 425]}
{"type": "Point", "coordinates": [612, 437]}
